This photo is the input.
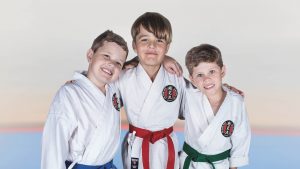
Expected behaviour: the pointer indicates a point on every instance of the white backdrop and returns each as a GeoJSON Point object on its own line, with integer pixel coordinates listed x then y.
{"type": "Point", "coordinates": [43, 42]}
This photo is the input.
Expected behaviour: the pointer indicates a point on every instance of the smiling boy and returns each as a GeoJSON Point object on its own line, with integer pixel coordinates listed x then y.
{"type": "Point", "coordinates": [83, 125]}
{"type": "Point", "coordinates": [217, 131]}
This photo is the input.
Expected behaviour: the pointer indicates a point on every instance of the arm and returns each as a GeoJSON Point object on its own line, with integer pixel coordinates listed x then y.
{"type": "Point", "coordinates": [240, 139]}
{"type": "Point", "coordinates": [184, 83]}
{"type": "Point", "coordinates": [172, 66]}
{"type": "Point", "coordinates": [131, 63]}
{"type": "Point", "coordinates": [234, 89]}
{"type": "Point", "coordinates": [56, 134]}
{"type": "Point", "coordinates": [54, 143]}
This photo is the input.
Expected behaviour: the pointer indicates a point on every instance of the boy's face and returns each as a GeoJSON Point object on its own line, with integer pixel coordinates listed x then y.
{"type": "Point", "coordinates": [150, 50]}
{"type": "Point", "coordinates": [207, 77]}
{"type": "Point", "coordinates": [106, 63]}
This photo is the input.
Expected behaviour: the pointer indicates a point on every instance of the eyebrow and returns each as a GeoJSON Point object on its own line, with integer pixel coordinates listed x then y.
{"type": "Point", "coordinates": [141, 36]}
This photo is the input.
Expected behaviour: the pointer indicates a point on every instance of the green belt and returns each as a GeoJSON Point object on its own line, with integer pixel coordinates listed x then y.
{"type": "Point", "coordinates": [198, 157]}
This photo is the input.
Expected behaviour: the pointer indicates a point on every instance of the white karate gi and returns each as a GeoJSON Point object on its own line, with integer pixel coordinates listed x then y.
{"type": "Point", "coordinates": [82, 126]}
{"type": "Point", "coordinates": [203, 129]}
{"type": "Point", "coordinates": [146, 108]}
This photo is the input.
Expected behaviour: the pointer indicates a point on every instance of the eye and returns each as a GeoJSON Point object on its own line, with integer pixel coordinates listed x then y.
{"type": "Point", "coordinates": [119, 64]}
{"type": "Point", "coordinates": [212, 71]}
{"type": "Point", "coordinates": [161, 41]}
{"type": "Point", "coordinates": [144, 40]}
{"type": "Point", "coordinates": [199, 75]}
{"type": "Point", "coordinates": [106, 56]}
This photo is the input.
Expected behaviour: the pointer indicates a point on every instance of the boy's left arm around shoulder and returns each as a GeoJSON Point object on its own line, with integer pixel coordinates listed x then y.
{"type": "Point", "coordinates": [234, 89]}
{"type": "Point", "coordinates": [131, 63]}
{"type": "Point", "coordinates": [172, 66]}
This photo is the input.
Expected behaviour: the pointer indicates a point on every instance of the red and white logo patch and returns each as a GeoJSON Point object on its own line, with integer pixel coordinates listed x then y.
{"type": "Point", "coordinates": [169, 93]}
{"type": "Point", "coordinates": [116, 102]}
{"type": "Point", "coordinates": [227, 128]}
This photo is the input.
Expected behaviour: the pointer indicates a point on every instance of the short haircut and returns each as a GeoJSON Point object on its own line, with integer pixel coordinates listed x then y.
{"type": "Point", "coordinates": [155, 23]}
{"type": "Point", "coordinates": [109, 36]}
{"type": "Point", "coordinates": [202, 53]}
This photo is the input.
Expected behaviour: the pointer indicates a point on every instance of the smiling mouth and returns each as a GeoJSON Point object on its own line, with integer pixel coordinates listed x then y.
{"type": "Point", "coordinates": [209, 86]}
{"type": "Point", "coordinates": [107, 71]}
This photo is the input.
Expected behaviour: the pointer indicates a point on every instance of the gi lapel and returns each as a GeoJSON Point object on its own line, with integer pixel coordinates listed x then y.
{"type": "Point", "coordinates": [214, 124]}
{"type": "Point", "coordinates": [153, 95]}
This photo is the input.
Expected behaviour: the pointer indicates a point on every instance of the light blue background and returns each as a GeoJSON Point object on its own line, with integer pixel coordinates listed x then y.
{"type": "Point", "coordinates": [22, 150]}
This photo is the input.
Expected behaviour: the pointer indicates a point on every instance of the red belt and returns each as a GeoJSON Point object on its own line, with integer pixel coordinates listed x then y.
{"type": "Point", "coordinates": [150, 136]}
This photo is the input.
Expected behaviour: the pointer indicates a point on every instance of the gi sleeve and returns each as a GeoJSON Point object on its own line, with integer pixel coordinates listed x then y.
{"type": "Point", "coordinates": [183, 85]}
{"type": "Point", "coordinates": [240, 139]}
{"type": "Point", "coordinates": [57, 131]}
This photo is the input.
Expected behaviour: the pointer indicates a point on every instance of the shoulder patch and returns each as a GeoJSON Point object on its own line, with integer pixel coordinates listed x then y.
{"type": "Point", "coordinates": [117, 103]}
{"type": "Point", "coordinates": [169, 93]}
{"type": "Point", "coordinates": [227, 128]}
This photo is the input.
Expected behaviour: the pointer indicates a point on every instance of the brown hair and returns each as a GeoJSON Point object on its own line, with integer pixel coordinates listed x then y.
{"type": "Point", "coordinates": [109, 36]}
{"type": "Point", "coordinates": [202, 53]}
{"type": "Point", "coordinates": [155, 23]}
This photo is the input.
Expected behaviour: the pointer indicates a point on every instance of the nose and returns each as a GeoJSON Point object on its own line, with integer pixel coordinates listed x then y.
{"type": "Point", "coordinates": [152, 44]}
{"type": "Point", "coordinates": [206, 78]}
{"type": "Point", "coordinates": [111, 63]}
{"type": "Point", "coordinates": [114, 64]}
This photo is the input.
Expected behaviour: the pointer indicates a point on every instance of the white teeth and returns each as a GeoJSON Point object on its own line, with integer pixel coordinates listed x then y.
{"type": "Point", "coordinates": [107, 71]}
{"type": "Point", "coordinates": [209, 86]}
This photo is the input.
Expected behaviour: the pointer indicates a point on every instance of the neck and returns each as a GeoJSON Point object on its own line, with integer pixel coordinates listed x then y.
{"type": "Point", "coordinates": [100, 86]}
{"type": "Point", "coordinates": [216, 100]}
{"type": "Point", "coordinates": [151, 71]}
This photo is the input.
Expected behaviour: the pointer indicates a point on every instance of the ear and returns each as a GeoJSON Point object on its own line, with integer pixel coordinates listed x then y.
{"type": "Point", "coordinates": [223, 71]}
{"type": "Point", "coordinates": [89, 55]}
{"type": "Point", "coordinates": [134, 46]}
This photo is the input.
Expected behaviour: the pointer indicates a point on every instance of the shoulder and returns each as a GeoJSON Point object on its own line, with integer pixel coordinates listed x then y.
{"type": "Point", "coordinates": [113, 87]}
{"type": "Point", "coordinates": [188, 85]}
{"type": "Point", "coordinates": [69, 87]}
{"type": "Point", "coordinates": [235, 96]}
{"type": "Point", "coordinates": [63, 105]}
{"type": "Point", "coordinates": [127, 73]}
{"type": "Point", "coordinates": [173, 78]}
{"type": "Point", "coordinates": [67, 93]}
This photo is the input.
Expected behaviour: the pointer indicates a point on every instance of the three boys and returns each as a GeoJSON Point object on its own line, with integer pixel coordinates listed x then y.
{"type": "Point", "coordinates": [153, 99]}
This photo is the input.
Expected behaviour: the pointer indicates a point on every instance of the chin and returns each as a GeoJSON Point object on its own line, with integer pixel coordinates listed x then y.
{"type": "Point", "coordinates": [106, 80]}
{"type": "Point", "coordinates": [209, 91]}
{"type": "Point", "coordinates": [152, 64]}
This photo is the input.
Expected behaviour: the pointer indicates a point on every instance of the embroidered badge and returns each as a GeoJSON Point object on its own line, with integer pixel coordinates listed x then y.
{"type": "Point", "coordinates": [169, 93]}
{"type": "Point", "coordinates": [227, 128]}
{"type": "Point", "coordinates": [116, 102]}
{"type": "Point", "coordinates": [134, 163]}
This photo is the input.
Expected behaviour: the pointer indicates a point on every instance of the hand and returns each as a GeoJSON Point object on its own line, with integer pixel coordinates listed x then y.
{"type": "Point", "coordinates": [131, 63]}
{"type": "Point", "coordinates": [70, 81]}
{"type": "Point", "coordinates": [172, 66]}
{"type": "Point", "coordinates": [234, 89]}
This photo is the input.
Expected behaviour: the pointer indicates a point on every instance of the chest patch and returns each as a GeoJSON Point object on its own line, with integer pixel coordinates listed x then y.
{"type": "Point", "coordinates": [117, 103]}
{"type": "Point", "coordinates": [227, 128]}
{"type": "Point", "coordinates": [169, 93]}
